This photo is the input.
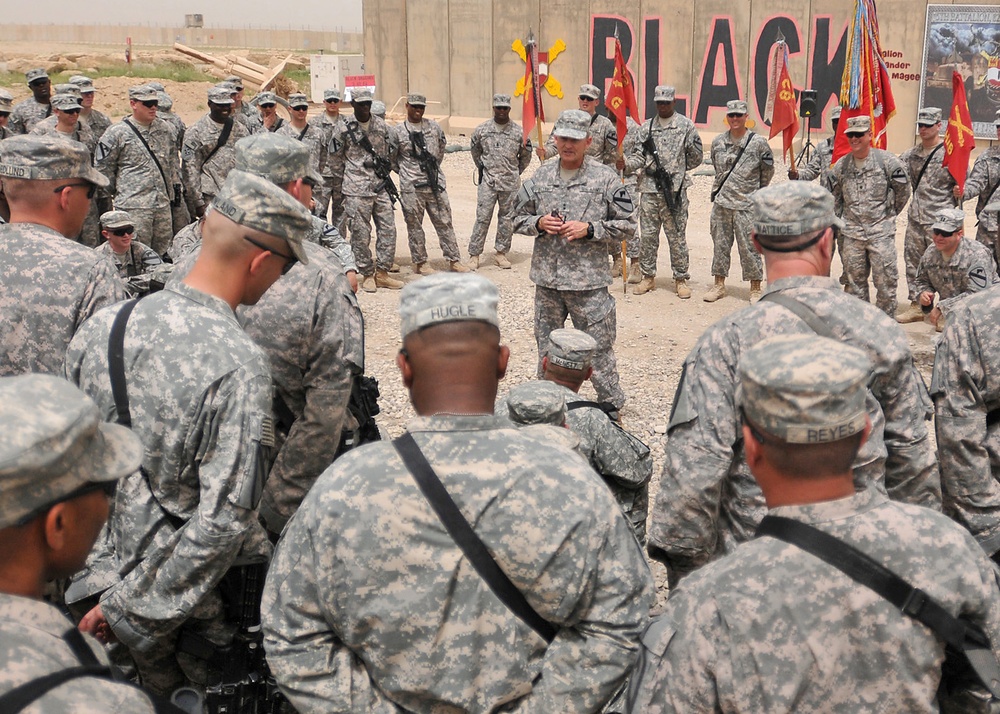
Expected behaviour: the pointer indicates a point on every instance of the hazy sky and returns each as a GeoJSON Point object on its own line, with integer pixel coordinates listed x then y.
{"type": "Point", "coordinates": [301, 14]}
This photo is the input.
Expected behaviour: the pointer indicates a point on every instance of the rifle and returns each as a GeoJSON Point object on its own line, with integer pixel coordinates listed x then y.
{"type": "Point", "coordinates": [427, 162]}
{"type": "Point", "coordinates": [661, 177]}
{"type": "Point", "coordinates": [363, 405]}
{"type": "Point", "coordinates": [381, 164]}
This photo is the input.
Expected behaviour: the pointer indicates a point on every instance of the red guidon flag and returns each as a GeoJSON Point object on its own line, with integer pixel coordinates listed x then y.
{"type": "Point", "coordinates": [620, 100]}
{"type": "Point", "coordinates": [780, 109]}
{"type": "Point", "coordinates": [959, 140]}
{"type": "Point", "coordinates": [531, 110]}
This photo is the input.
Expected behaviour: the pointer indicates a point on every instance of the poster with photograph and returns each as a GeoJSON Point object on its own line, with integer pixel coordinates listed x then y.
{"type": "Point", "coordinates": [966, 39]}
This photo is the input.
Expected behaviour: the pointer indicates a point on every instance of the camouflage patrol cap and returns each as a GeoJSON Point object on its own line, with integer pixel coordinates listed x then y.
{"type": "Point", "coordinates": [804, 389]}
{"type": "Point", "coordinates": [835, 112]}
{"type": "Point", "coordinates": [65, 102]}
{"type": "Point", "coordinates": [785, 211]}
{"type": "Point", "coordinates": [664, 93]}
{"type": "Point", "coordinates": [571, 349]}
{"type": "Point", "coordinates": [267, 98]}
{"type": "Point", "coordinates": [298, 100]}
{"type": "Point", "coordinates": [142, 93]}
{"type": "Point", "coordinates": [166, 101]}
{"type": "Point", "coordinates": [537, 402]}
{"type": "Point", "coordinates": [928, 116]}
{"type": "Point", "coordinates": [116, 219]}
{"type": "Point", "coordinates": [859, 124]}
{"type": "Point", "coordinates": [219, 95]}
{"type": "Point", "coordinates": [329, 94]}
{"type": "Point", "coordinates": [572, 124]}
{"type": "Point", "coordinates": [416, 99]}
{"type": "Point", "coordinates": [275, 157]}
{"type": "Point", "coordinates": [949, 220]}
{"type": "Point", "coordinates": [33, 75]}
{"type": "Point", "coordinates": [39, 158]}
{"type": "Point", "coordinates": [737, 106]}
{"type": "Point", "coordinates": [158, 86]}
{"type": "Point", "coordinates": [53, 442]}
{"type": "Point", "coordinates": [86, 84]}
{"type": "Point", "coordinates": [590, 91]}
{"type": "Point", "coordinates": [257, 203]}
{"type": "Point", "coordinates": [501, 100]}
{"type": "Point", "coordinates": [236, 81]}
{"type": "Point", "coordinates": [447, 297]}
{"type": "Point", "coordinates": [378, 108]}
{"type": "Point", "coordinates": [360, 95]}
{"type": "Point", "coordinates": [67, 88]}
{"type": "Point", "coordinates": [6, 101]}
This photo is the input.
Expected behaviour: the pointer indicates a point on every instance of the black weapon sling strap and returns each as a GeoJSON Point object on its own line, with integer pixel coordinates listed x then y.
{"type": "Point", "coordinates": [927, 162]}
{"type": "Point", "coordinates": [607, 407]}
{"type": "Point", "coordinates": [227, 129]}
{"type": "Point", "coordinates": [302, 133]}
{"type": "Point", "coordinates": [746, 143]}
{"type": "Point", "coordinates": [466, 539]}
{"type": "Point", "coordinates": [135, 130]}
{"type": "Point", "coordinates": [912, 601]}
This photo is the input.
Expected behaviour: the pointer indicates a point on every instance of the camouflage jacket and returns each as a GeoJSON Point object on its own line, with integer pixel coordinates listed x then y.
{"type": "Point", "coordinates": [498, 151]}
{"type": "Point", "coordinates": [199, 392]}
{"type": "Point", "coordinates": [969, 270]}
{"type": "Point", "coordinates": [593, 195]}
{"type": "Point", "coordinates": [869, 199]}
{"type": "Point", "coordinates": [176, 122]}
{"type": "Point", "coordinates": [98, 122]}
{"type": "Point", "coordinates": [204, 176]}
{"type": "Point", "coordinates": [819, 164]}
{"type": "Point", "coordinates": [983, 181]}
{"type": "Point", "coordinates": [359, 169]}
{"type": "Point", "coordinates": [754, 170]}
{"type": "Point", "coordinates": [138, 259]}
{"type": "Point", "coordinates": [83, 134]}
{"type": "Point", "coordinates": [411, 173]}
{"type": "Point", "coordinates": [26, 114]}
{"type": "Point", "coordinates": [934, 191]}
{"type": "Point", "coordinates": [708, 501]}
{"type": "Point", "coordinates": [313, 137]}
{"type": "Point", "coordinates": [604, 141]}
{"type": "Point", "coordinates": [334, 166]}
{"type": "Point", "coordinates": [48, 286]}
{"type": "Point", "coordinates": [370, 606]}
{"type": "Point", "coordinates": [136, 182]}
{"type": "Point", "coordinates": [772, 628]}
{"type": "Point", "coordinates": [678, 145]}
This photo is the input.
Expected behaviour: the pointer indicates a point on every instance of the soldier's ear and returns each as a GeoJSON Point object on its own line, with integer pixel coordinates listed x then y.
{"type": "Point", "coordinates": [405, 370]}
{"type": "Point", "coordinates": [502, 358]}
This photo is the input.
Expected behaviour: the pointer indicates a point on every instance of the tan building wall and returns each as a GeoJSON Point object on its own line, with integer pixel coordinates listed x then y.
{"type": "Point", "coordinates": [458, 52]}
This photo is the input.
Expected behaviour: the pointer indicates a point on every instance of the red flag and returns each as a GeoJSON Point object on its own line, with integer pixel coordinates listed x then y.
{"type": "Point", "coordinates": [780, 109]}
{"type": "Point", "coordinates": [959, 141]}
{"type": "Point", "coordinates": [620, 100]}
{"type": "Point", "coordinates": [531, 110]}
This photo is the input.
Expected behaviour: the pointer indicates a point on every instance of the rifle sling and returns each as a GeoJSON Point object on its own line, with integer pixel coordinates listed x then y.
{"type": "Point", "coordinates": [227, 129]}
{"type": "Point", "coordinates": [746, 143]}
{"type": "Point", "coordinates": [465, 537]}
{"type": "Point", "coordinates": [923, 168]}
{"type": "Point", "coordinates": [135, 130]}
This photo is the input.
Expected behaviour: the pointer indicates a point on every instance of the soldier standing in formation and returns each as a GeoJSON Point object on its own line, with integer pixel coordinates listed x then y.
{"type": "Point", "coordinates": [65, 122]}
{"type": "Point", "coordinates": [501, 157]}
{"type": "Point", "coordinates": [209, 150]}
{"type": "Point", "coordinates": [332, 170]}
{"type": "Point", "coordinates": [822, 155]}
{"type": "Point", "coordinates": [983, 182]}
{"type": "Point", "coordinates": [97, 120]}
{"type": "Point", "coordinates": [604, 136]}
{"type": "Point", "coordinates": [32, 110]}
{"type": "Point", "coordinates": [315, 139]}
{"type": "Point", "coordinates": [267, 103]}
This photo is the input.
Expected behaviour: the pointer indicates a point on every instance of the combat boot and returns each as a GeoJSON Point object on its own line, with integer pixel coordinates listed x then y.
{"type": "Point", "coordinates": [457, 266]}
{"type": "Point", "coordinates": [755, 291]}
{"type": "Point", "coordinates": [384, 280]}
{"type": "Point", "coordinates": [423, 269]}
{"type": "Point", "coordinates": [647, 284]}
{"type": "Point", "coordinates": [394, 268]}
{"type": "Point", "coordinates": [911, 314]}
{"type": "Point", "coordinates": [502, 261]}
{"type": "Point", "coordinates": [473, 263]}
{"type": "Point", "coordinates": [368, 284]}
{"type": "Point", "coordinates": [683, 291]}
{"type": "Point", "coordinates": [616, 267]}
{"type": "Point", "coordinates": [717, 291]}
{"type": "Point", "coordinates": [634, 272]}
{"type": "Point", "coordinates": [939, 325]}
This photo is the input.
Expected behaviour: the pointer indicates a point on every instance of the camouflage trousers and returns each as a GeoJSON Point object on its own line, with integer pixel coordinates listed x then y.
{"type": "Point", "coordinates": [632, 247]}
{"type": "Point", "coordinates": [876, 257]}
{"type": "Point", "coordinates": [153, 226]}
{"type": "Point", "coordinates": [486, 199]}
{"type": "Point", "coordinates": [438, 207]}
{"type": "Point", "coordinates": [918, 237]}
{"type": "Point", "coordinates": [654, 214]}
{"type": "Point", "coordinates": [90, 234]}
{"type": "Point", "coordinates": [990, 237]}
{"type": "Point", "coordinates": [332, 197]}
{"type": "Point", "coordinates": [361, 210]}
{"type": "Point", "coordinates": [164, 668]}
{"type": "Point", "coordinates": [727, 225]}
{"type": "Point", "coordinates": [593, 312]}
{"type": "Point", "coordinates": [180, 216]}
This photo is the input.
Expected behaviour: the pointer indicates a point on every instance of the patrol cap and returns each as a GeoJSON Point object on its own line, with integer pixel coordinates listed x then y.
{"type": "Point", "coordinates": [572, 124]}
{"type": "Point", "coordinates": [38, 158]}
{"type": "Point", "coordinates": [537, 402]}
{"type": "Point", "coordinates": [805, 389]}
{"type": "Point", "coordinates": [329, 94]}
{"type": "Point", "coordinates": [590, 91]}
{"type": "Point", "coordinates": [859, 124]}
{"type": "Point", "coordinates": [53, 442]}
{"type": "Point", "coordinates": [736, 106]}
{"type": "Point", "coordinates": [66, 88]}
{"type": "Point", "coordinates": [219, 95]}
{"type": "Point", "coordinates": [142, 93]}
{"type": "Point", "coordinates": [275, 157]}
{"type": "Point", "coordinates": [166, 101]}
{"type": "Point", "coordinates": [116, 219]}
{"type": "Point", "coordinates": [86, 84]}
{"type": "Point", "coordinates": [65, 102]}
{"type": "Point", "coordinates": [378, 108]}
{"type": "Point", "coordinates": [6, 101]}
{"type": "Point", "coordinates": [784, 211]}
{"type": "Point", "coordinates": [158, 86]}
{"type": "Point", "coordinates": [447, 297]}
{"type": "Point", "coordinates": [360, 95]}
{"type": "Point", "coordinates": [33, 75]}
{"type": "Point", "coordinates": [415, 99]}
{"type": "Point", "coordinates": [835, 112]}
{"type": "Point", "coordinates": [257, 203]}
{"type": "Point", "coordinates": [664, 93]}
{"type": "Point", "coordinates": [571, 349]}
{"type": "Point", "coordinates": [228, 86]}
{"type": "Point", "coordinates": [236, 81]}
{"type": "Point", "coordinates": [267, 98]}
{"type": "Point", "coordinates": [298, 100]}
{"type": "Point", "coordinates": [949, 220]}
{"type": "Point", "coordinates": [501, 100]}
{"type": "Point", "coordinates": [928, 116]}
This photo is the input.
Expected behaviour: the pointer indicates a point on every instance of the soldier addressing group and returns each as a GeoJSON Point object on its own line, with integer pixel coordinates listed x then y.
{"type": "Point", "coordinates": [32, 110]}
{"type": "Point", "coordinates": [209, 150]}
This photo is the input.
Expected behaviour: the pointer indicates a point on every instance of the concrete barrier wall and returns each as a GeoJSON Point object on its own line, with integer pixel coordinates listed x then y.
{"type": "Point", "coordinates": [710, 50]}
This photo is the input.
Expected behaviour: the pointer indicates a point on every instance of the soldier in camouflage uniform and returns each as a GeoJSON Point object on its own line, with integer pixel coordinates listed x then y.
{"type": "Point", "coordinates": [32, 110]}
{"type": "Point", "coordinates": [48, 284]}
{"type": "Point", "coordinates": [140, 185]}
{"type": "Point", "coordinates": [369, 607]}
{"type": "Point", "coordinates": [312, 136]}
{"type": "Point", "coordinates": [332, 170]}
{"type": "Point", "coordinates": [743, 163]}
{"type": "Point", "coordinates": [575, 208]}
{"type": "Point", "coordinates": [820, 161]}
{"type": "Point", "coordinates": [178, 207]}
{"type": "Point", "coordinates": [242, 111]}
{"type": "Point", "coordinates": [933, 190]}
{"type": "Point", "coordinates": [181, 524]}
{"type": "Point", "coordinates": [59, 464]}
{"type": "Point", "coordinates": [952, 266]}
{"type": "Point", "coordinates": [205, 162]}
{"type": "Point", "coordinates": [869, 188]}
{"type": "Point", "coordinates": [604, 136]}
{"type": "Point", "coordinates": [97, 120]}
{"type": "Point", "coordinates": [983, 182]}
{"type": "Point", "coordinates": [268, 119]}
{"type": "Point", "coordinates": [708, 503]}
{"type": "Point", "coordinates": [6, 107]}
{"type": "Point", "coordinates": [773, 628]}
{"type": "Point", "coordinates": [621, 459]}
{"type": "Point", "coordinates": [679, 150]}
{"type": "Point", "coordinates": [501, 158]}
{"type": "Point", "coordinates": [420, 192]}
{"type": "Point", "coordinates": [134, 260]}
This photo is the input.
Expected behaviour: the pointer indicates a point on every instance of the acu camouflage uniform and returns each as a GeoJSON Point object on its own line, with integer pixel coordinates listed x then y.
{"type": "Point", "coordinates": [138, 261]}
{"type": "Point", "coordinates": [332, 192]}
{"type": "Point", "coordinates": [204, 176]}
{"type": "Point", "coordinates": [731, 211]}
{"type": "Point", "coordinates": [603, 148]}
{"type": "Point", "coordinates": [819, 164]}
{"type": "Point", "coordinates": [983, 181]}
{"type": "Point", "coordinates": [317, 140]}
{"type": "Point", "coordinates": [498, 151]}
{"type": "Point", "coordinates": [26, 114]}
{"type": "Point", "coordinates": [98, 121]}
{"type": "Point", "coordinates": [969, 270]}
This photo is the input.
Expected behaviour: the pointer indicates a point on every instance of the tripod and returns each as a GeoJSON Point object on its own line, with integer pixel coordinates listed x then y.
{"type": "Point", "coordinates": [808, 147]}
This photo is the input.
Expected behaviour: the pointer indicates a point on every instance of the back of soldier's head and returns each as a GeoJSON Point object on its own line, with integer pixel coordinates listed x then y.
{"type": "Point", "coordinates": [28, 161]}
{"type": "Point", "coordinates": [536, 402]}
{"type": "Point", "coordinates": [792, 216]}
{"type": "Point", "coordinates": [276, 157]}
{"type": "Point", "coordinates": [569, 356]}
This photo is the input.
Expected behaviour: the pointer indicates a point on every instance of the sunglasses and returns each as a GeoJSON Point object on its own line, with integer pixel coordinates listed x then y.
{"type": "Point", "coordinates": [854, 134]}
{"type": "Point", "coordinates": [586, 99]}
{"type": "Point", "coordinates": [735, 116]}
{"type": "Point", "coordinates": [108, 487]}
{"type": "Point", "coordinates": [300, 109]}
{"type": "Point", "coordinates": [946, 234]}
{"type": "Point", "coordinates": [332, 101]}
{"type": "Point", "coordinates": [38, 83]}
{"type": "Point", "coordinates": [290, 260]}
{"type": "Point", "coordinates": [4, 115]}
{"type": "Point", "coordinates": [122, 232]}
{"type": "Point", "coordinates": [70, 111]}
{"type": "Point", "coordinates": [150, 103]}
{"type": "Point", "coordinates": [267, 106]}
{"type": "Point", "coordinates": [91, 188]}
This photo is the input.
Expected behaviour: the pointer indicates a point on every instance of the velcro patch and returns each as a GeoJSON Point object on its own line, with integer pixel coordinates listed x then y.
{"type": "Point", "coordinates": [623, 199]}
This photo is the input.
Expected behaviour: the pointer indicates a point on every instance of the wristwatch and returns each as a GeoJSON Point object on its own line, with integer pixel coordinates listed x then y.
{"type": "Point", "coordinates": [590, 231]}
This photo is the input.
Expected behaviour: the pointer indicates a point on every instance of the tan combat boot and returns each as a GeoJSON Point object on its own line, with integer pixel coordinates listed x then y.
{"type": "Point", "coordinates": [368, 284]}
{"type": "Point", "coordinates": [394, 268]}
{"type": "Point", "coordinates": [911, 314]}
{"type": "Point", "coordinates": [384, 280]}
{"type": "Point", "coordinates": [939, 325]}
{"type": "Point", "coordinates": [502, 261]}
{"type": "Point", "coordinates": [717, 291]}
{"type": "Point", "coordinates": [457, 266]}
{"type": "Point", "coordinates": [634, 272]}
{"type": "Point", "coordinates": [423, 269]}
{"type": "Point", "coordinates": [473, 263]}
{"type": "Point", "coordinates": [616, 267]}
{"type": "Point", "coordinates": [755, 291]}
{"type": "Point", "coordinates": [647, 284]}
{"type": "Point", "coordinates": [683, 291]}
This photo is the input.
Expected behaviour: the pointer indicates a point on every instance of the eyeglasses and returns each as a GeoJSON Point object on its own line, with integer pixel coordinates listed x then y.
{"type": "Point", "coordinates": [108, 487]}
{"type": "Point", "coordinates": [122, 232]}
{"type": "Point", "coordinates": [267, 106]}
{"type": "Point", "coordinates": [332, 101]}
{"type": "Point", "coordinates": [91, 188]}
{"type": "Point", "coordinates": [70, 111]}
{"type": "Point", "coordinates": [150, 103]}
{"type": "Point", "coordinates": [290, 260]}
{"type": "Point", "coordinates": [945, 234]}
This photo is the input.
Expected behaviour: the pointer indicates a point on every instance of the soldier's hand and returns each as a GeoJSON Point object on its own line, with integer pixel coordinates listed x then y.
{"type": "Point", "coordinates": [352, 278]}
{"type": "Point", "coordinates": [96, 624]}
{"type": "Point", "coordinates": [793, 174]}
{"type": "Point", "coordinates": [620, 163]}
{"type": "Point", "coordinates": [550, 224]}
{"type": "Point", "coordinates": [540, 153]}
{"type": "Point", "coordinates": [574, 230]}
{"type": "Point", "coordinates": [957, 192]}
{"type": "Point", "coordinates": [926, 298]}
